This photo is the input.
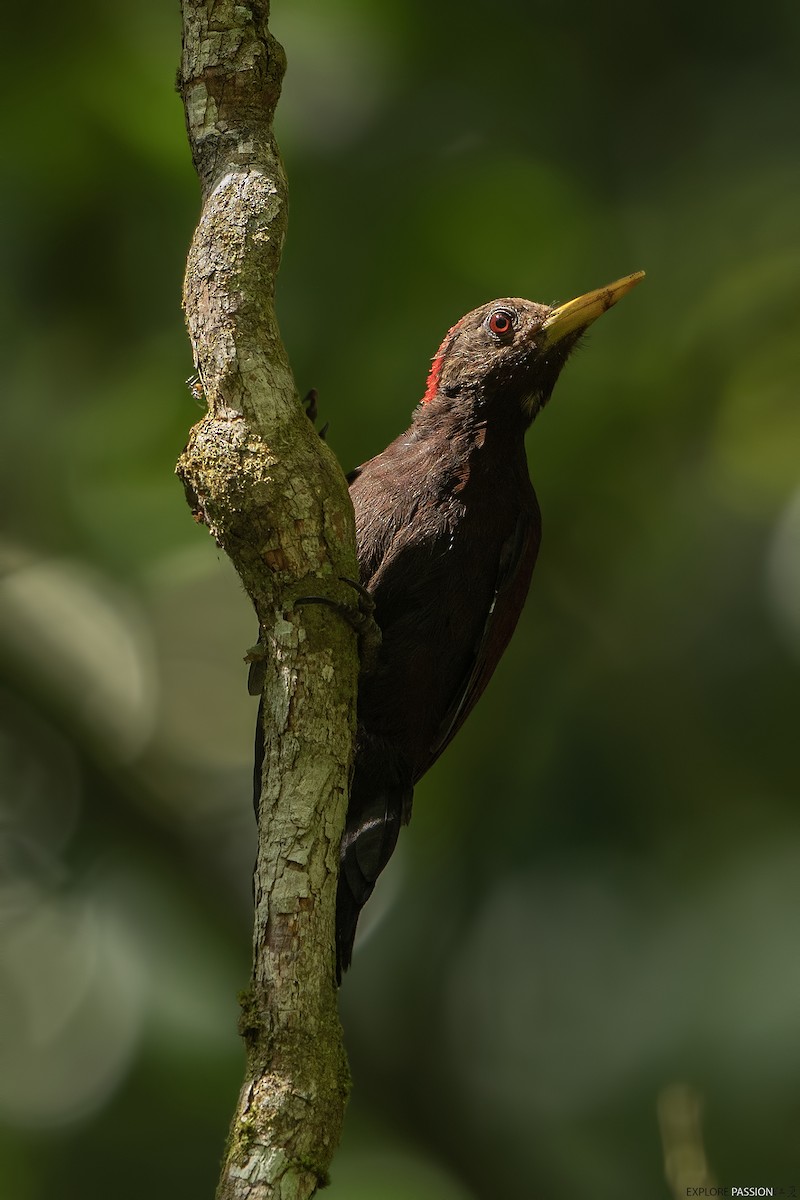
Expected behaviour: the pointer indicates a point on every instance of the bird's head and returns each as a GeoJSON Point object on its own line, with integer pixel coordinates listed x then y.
{"type": "Point", "coordinates": [505, 357]}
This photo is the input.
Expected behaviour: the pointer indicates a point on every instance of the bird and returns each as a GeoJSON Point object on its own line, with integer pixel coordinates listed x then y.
{"type": "Point", "coordinates": [447, 533]}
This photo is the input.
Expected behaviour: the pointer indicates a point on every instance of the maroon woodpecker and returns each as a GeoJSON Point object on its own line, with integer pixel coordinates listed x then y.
{"type": "Point", "coordinates": [447, 530]}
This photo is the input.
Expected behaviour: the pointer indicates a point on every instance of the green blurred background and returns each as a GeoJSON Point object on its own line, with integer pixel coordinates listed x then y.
{"type": "Point", "coordinates": [590, 930]}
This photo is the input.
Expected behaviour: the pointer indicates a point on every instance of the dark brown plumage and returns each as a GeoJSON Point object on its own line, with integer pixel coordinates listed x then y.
{"type": "Point", "coordinates": [448, 530]}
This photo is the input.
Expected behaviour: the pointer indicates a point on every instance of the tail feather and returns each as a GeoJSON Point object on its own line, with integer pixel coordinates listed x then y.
{"type": "Point", "coordinates": [380, 802]}
{"type": "Point", "coordinates": [258, 758]}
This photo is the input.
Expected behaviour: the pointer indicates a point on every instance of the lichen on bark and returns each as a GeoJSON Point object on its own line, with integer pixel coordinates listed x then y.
{"type": "Point", "coordinates": [275, 499]}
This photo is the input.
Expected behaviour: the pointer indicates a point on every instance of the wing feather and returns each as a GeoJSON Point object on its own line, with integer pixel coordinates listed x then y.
{"type": "Point", "coordinates": [516, 563]}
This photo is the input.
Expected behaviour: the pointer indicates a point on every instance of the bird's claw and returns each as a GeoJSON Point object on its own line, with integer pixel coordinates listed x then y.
{"type": "Point", "coordinates": [310, 403]}
{"type": "Point", "coordinates": [360, 618]}
{"type": "Point", "coordinates": [257, 658]}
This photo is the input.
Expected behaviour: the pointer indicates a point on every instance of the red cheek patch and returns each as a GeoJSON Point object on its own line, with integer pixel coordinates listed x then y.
{"type": "Point", "coordinates": [432, 383]}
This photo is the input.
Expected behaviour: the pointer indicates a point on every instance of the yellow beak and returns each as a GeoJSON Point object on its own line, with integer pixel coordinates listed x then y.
{"type": "Point", "coordinates": [579, 313]}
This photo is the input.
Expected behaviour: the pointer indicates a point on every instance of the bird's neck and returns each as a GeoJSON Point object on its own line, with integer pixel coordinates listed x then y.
{"type": "Point", "coordinates": [479, 442]}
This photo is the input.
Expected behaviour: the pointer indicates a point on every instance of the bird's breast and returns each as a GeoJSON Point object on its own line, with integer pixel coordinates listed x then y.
{"type": "Point", "coordinates": [433, 562]}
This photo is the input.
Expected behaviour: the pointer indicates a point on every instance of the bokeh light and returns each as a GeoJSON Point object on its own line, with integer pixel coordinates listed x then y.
{"type": "Point", "coordinates": [579, 977]}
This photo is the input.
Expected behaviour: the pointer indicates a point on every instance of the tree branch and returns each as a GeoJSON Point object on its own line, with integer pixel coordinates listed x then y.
{"type": "Point", "coordinates": [274, 498]}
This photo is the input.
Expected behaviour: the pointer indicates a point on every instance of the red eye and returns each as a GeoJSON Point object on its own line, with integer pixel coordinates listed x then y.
{"type": "Point", "coordinates": [500, 322]}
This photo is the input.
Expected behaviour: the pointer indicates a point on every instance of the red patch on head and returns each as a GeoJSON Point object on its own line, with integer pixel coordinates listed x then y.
{"type": "Point", "coordinates": [432, 383]}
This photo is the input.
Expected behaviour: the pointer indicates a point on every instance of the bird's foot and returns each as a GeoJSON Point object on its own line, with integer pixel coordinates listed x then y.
{"type": "Point", "coordinates": [310, 404]}
{"type": "Point", "coordinates": [360, 617]}
{"type": "Point", "coordinates": [256, 657]}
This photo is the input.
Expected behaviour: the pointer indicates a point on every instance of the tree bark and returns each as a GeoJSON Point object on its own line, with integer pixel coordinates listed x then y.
{"type": "Point", "coordinates": [274, 498]}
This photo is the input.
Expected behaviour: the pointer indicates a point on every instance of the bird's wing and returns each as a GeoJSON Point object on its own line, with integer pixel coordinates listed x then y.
{"type": "Point", "coordinates": [515, 567]}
